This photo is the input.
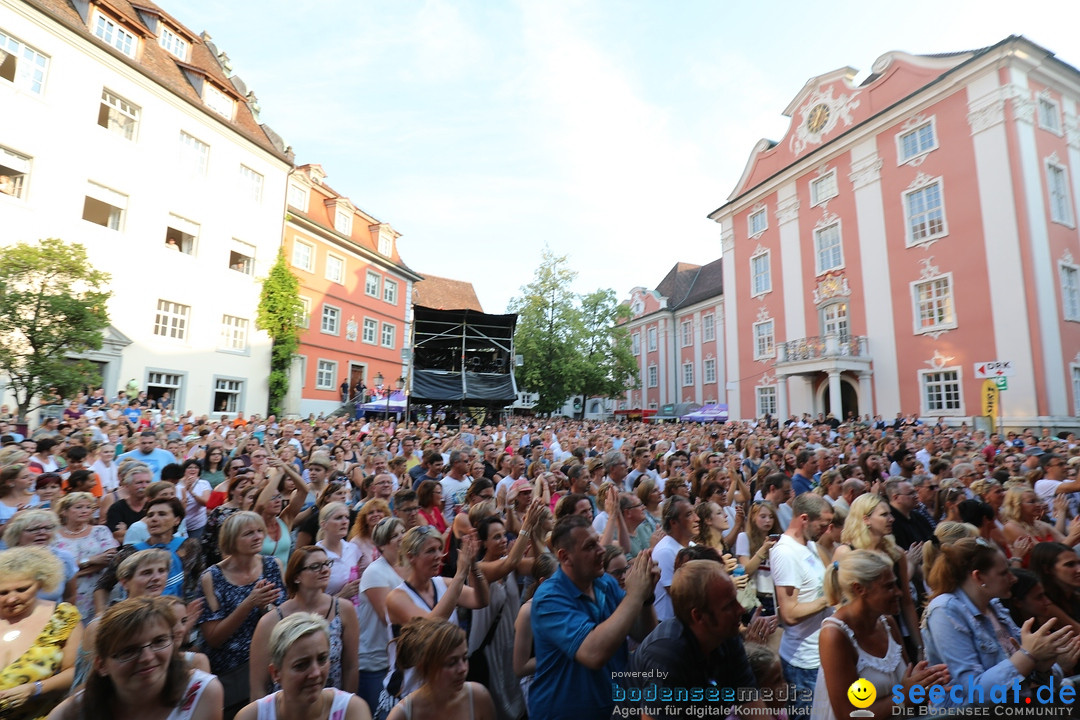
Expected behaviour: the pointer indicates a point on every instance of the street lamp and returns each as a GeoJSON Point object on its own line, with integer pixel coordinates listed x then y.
{"type": "Point", "coordinates": [399, 383]}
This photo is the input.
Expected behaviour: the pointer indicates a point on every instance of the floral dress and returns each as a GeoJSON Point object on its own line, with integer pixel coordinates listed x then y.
{"type": "Point", "coordinates": [83, 548]}
{"type": "Point", "coordinates": [234, 652]}
{"type": "Point", "coordinates": [41, 661]}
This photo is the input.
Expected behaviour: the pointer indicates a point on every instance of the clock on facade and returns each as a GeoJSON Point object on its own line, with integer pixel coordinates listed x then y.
{"type": "Point", "coordinates": [817, 117]}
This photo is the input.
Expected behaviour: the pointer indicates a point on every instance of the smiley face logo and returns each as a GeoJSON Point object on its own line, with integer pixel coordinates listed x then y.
{"type": "Point", "coordinates": [862, 693]}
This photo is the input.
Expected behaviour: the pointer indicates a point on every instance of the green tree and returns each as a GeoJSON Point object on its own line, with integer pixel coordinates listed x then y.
{"type": "Point", "coordinates": [608, 357]}
{"type": "Point", "coordinates": [279, 315]}
{"type": "Point", "coordinates": [53, 304]}
{"type": "Point", "coordinates": [547, 333]}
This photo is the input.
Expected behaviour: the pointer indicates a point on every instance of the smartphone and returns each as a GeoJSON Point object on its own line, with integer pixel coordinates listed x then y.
{"type": "Point", "coordinates": [774, 538]}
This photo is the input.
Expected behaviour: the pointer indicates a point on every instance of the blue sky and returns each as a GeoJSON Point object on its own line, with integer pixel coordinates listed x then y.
{"type": "Point", "coordinates": [607, 130]}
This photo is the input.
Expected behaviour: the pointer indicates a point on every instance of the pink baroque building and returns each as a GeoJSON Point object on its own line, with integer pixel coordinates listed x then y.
{"type": "Point", "coordinates": [677, 336]}
{"type": "Point", "coordinates": [905, 229]}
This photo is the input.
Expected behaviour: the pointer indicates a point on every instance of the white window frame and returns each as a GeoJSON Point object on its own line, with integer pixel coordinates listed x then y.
{"type": "Point", "coordinates": [947, 323]}
{"type": "Point", "coordinates": [831, 326]}
{"type": "Point", "coordinates": [343, 221]}
{"type": "Point", "coordinates": [372, 283]}
{"type": "Point", "coordinates": [635, 343]}
{"type": "Point", "coordinates": [389, 291]}
{"type": "Point", "coordinates": [110, 198]}
{"type": "Point", "coordinates": [330, 320]}
{"type": "Point", "coordinates": [709, 370]}
{"type": "Point", "coordinates": [112, 33]}
{"type": "Point", "coordinates": [388, 335]}
{"type": "Point", "coordinates": [920, 151]}
{"type": "Point", "coordinates": [194, 155]}
{"type": "Point", "coordinates": [310, 266]}
{"type": "Point", "coordinates": [120, 116]}
{"type": "Point", "coordinates": [386, 245]}
{"type": "Point", "coordinates": [242, 254]}
{"type": "Point", "coordinates": [171, 320]}
{"type": "Point", "coordinates": [1048, 111]}
{"type": "Point", "coordinates": [1069, 277]}
{"type": "Point", "coordinates": [652, 376]}
{"type": "Point", "coordinates": [708, 327]}
{"type": "Point", "coordinates": [232, 387]}
{"type": "Point", "coordinates": [188, 232]}
{"type": "Point", "coordinates": [1075, 372]}
{"type": "Point", "coordinates": [767, 275]}
{"type": "Point", "coordinates": [339, 276]}
{"type": "Point", "coordinates": [650, 337]}
{"type": "Point", "coordinates": [251, 184]}
{"type": "Point", "coordinates": [686, 332]}
{"type": "Point", "coordinates": [218, 101]}
{"type": "Point", "coordinates": [305, 313]}
{"type": "Point", "coordinates": [31, 65]}
{"type": "Point", "coordinates": [1059, 197]}
{"type": "Point", "coordinates": [234, 334]}
{"type": "Point", "coordinates": [299, 194]}
{"type": "Point", "coordinates": [17, 167]}
{"type": "Point", "coordinates": [757, 222]}
{"type": "Point", "coordinates": [766, 349]}
{"type": "Point", "coordinates": [688, 374]}
{"type": "Point", "coordinates": [324, 368]}
{"type": "Point", "coordinates": [909, 230]}
{"type": "Point", "coordinates": [824, 188]}
{"type": "Point", "coordinates": [765, 400]}
{"type": "Point", "coordinates": [926, 377]}
{"type": "Point", "coordinates": [831, 258]}
{"type": "Point", "coordinates": [172, 43]}
{"type": "Point", "coordinates": [368, 333]}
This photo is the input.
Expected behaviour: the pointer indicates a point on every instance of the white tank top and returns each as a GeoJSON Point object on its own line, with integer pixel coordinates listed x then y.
{"type": "Point", "coordinates": [267, 706]}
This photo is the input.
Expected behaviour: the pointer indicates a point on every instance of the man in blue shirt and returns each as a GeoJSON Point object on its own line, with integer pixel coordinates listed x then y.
{"type": "Point", "coordinates": [149, 454]}
{"type": "Point", "coordinates": [805, 467]}
{"type": "Point", "coordinates": [580, 621]}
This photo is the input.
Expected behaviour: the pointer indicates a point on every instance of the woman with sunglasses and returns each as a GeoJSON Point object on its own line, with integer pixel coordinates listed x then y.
{"type": "Point", "coordinates": [140, 671]}
{"type": "Point", "coordinates": [306, 579]}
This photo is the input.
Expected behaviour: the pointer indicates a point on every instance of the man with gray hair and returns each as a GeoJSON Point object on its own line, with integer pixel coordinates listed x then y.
{"type": "Point", "coordinates": [615, 469]}
{"type": "Point", "coordinates": [799, 579]}
{"type": "Point", "coordinates": [849, 490]}
{"type": "Point", "coordinates": [965, 472]}
{"type": "Point", "coordinates": [909, 527]}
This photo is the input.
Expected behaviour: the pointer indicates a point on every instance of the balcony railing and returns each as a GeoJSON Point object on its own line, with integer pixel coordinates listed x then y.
{"type": "Point", "coordinates": [823, 347]}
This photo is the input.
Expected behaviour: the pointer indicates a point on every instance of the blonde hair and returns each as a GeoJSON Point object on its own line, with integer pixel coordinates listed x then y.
{"type": "Point", "coordinates": [131, 564]}
{"type": "Point", "coordinates": [861, 566]}
{"type": "Point", "coordinates": [33, 562]}
{"type": "Point", "coordinates": [857, 534]}
{"type": "Point", "coordinates": [292, 629]}
{"type": "Point", "coordinates": [28, 518]}
{"type": "Point", "coordinates": [64, 504]}
{"type": "Point", "coordinates": [946, 532]}
{"type": "Point", "coordinates": [1014, 501]}
{"type": "Point", "coordinates": [236, 524]}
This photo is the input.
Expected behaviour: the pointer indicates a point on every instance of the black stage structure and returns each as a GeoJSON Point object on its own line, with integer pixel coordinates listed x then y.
{"type": "Point", "coordinates": [462, 360]}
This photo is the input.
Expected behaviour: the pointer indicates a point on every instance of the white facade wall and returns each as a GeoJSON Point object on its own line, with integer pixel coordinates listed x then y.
{"type": "Point", "coordinates": [58, 130]}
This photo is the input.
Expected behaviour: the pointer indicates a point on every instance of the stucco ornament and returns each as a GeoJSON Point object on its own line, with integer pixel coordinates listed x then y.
{"type": "Point", "coordinates": [820, 115]}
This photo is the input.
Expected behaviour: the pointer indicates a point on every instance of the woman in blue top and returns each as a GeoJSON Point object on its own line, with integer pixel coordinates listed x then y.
{"type": "Point", "coordinates": [968, 629]}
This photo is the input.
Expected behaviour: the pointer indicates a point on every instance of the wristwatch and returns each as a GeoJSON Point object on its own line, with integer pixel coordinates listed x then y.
{"type": "Point", "coordinates": [83, 563]}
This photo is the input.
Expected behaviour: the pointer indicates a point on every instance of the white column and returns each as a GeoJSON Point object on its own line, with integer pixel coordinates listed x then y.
{"type": "Point", "coordinates": [787, 219]}
{"type": "Point", "coordinates": [835, 398]}
{"type": "Point", "coordinates": [866, 394]}
{"type": "Point", "coordinates": [1008, 298]}
{"type": "Point", "coordinates": [877, 286]}
{"type": "Point", "coordinates": [663, 353]}
{"type": "Point", "coordinates": [1046, 276]}
{"type": "Point", "coordinates": [731, 309]}
{"type": "Point", "coordinates": [781, 398]}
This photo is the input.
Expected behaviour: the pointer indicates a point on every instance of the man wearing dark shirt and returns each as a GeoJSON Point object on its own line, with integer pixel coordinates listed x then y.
{"type": "Point", "coordinates": [124, 513]}
{"type": "Point", "coordinates": [909, 527]}
{"type": "Point", "coordinates": [699, 650]}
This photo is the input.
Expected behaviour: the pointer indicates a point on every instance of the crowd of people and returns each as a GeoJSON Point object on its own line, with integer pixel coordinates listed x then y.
{"type": "Point", "coordinates": [188, 567]}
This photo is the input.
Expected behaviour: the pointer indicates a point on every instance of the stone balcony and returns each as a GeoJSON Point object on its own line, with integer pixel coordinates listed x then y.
{"type": "Point", "coordinates": [824, 353]}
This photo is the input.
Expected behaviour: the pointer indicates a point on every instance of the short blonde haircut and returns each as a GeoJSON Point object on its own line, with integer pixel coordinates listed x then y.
{"type": "Point", "coordinates": [292, 629]}
{"type": "Point", "coordinates": [64, 504]}
{"type": "Point", "coordinates": [27, 519]}
{"type": "Point", "coordinates": [133, 562]}
{"type": "Point", "coordinates": [234, 526]}
{"type": "Point", "coordinates": [36, 563]}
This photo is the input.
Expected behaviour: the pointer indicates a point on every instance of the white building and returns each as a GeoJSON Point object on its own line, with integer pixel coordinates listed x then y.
{"type": "Point", "coordinates": [125, 133]}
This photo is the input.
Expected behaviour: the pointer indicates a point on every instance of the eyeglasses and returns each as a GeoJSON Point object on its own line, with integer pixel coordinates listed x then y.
{"type": "Point", "coordinates": [634, 507]}
{"type": "Point", "coordinates": [316, 567]}
{"type": "Point", "coordinates": [40, 528]}
{"type": "Point", "coordinates": [413, 509]}
{"type": "Point", "coordinates": [131, 654]}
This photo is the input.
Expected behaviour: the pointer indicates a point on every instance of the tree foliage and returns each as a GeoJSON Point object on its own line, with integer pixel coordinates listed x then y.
{"type": "Point", "coordinates": [53, 304]}
{"type": "Point", "coordinates": [571, 344]}
{"type": "Point", "coordinates": [279, 315]}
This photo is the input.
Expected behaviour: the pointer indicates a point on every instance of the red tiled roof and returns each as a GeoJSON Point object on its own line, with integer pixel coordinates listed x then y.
{"type": "Point", "coordinates": [445, 294]}
{"type": "Point", "coordinates": [160, 66]}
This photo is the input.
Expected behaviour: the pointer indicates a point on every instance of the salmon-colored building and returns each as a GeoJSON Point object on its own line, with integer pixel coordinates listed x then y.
{"type": "Point", "coordinates": [902, 231]}
{"type": "Point", "coordinates": [677, 337]}
{"type": "Point", "coordinates": [356, 292]}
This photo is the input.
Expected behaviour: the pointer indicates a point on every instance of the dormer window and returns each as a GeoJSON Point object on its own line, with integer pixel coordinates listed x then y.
{"type": "Point", "coordinates": [343, 221]}
{"type": "Point", "coordinates": [112, 33]}
{"type": "Point", "coordinates": [386, 245]}
{"type": "Point", "coordinates": [173, 43]}
{"type": "Point", "coordinates": [218, 101]}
